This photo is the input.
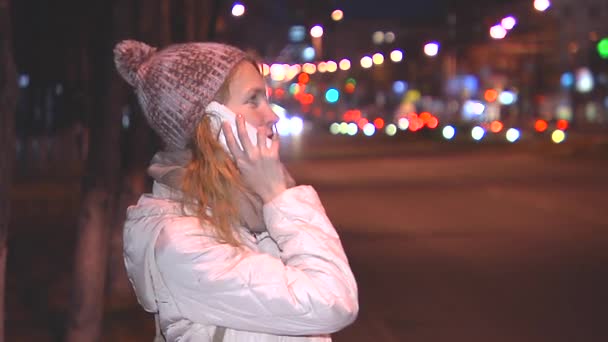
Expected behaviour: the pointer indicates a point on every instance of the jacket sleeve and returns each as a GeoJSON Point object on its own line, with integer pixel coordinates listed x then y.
{"type": "Point", "coordinates": [310, 290]}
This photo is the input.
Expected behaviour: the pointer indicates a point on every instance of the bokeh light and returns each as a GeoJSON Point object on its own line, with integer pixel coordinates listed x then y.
{"type": "Point", "coordinates": [366, 62]}
{"type": "Point", "coordinates": [390, 130]}
{"type": "Point", "coordinates": [332, 66]}
{"type": "Point", "coordinates": [558, 136]}
{"type": "Point", "coordinates": [352, 129]}
{"type": "Point", "coordinates": [507, 97]}
{"type": "Point", "coordinates": [431, 49]}
{"type": "Point", "coordinates": [308, 53]}
{"type": "Point", "coordinates": [238, 9]}
{"type": "Point", "coordinates": [344, 64]}
{"type": "Point", "coordinates": [508, 22]}
{"type": "Point", "coordinates": [396, 56]}
{"type": "Point", "coordinates": [540, 125]}
{"type": "Point", "coordinates": [584, 80]}
{"type": "Point", "coordinates": [378, 37]}
{"type": "Point", "coordinates": [369, 129]}
{"type": "Point", "coordinates": [490, 95]}
{"type": "Point", "coordinates": [541, 5]}
{"type": "Point", "coordinates": [562, 124]}
{"type": "Point", "coordinates": [334, 128]}
{"type": "Point", "coordinates": [567, 80]}
{"type": "Point", "coordinates": [337, 15]}
{"type": "Point", "coordinates": [332, 95]}
{"type": "Point", "coordinates": [389, 37]}
{"type": "Point", "coordinates": [496, 126]}
{"type": "Point", "coordinates": [512, 134]}
{"type": "Point", "coordinates": [378, 58]}
{"type": "Point", "coordinates": [316, 31]}
{"type": "Point", "coordinates": [602, 48]}
{"type": "Point", "coordinates": [477, 133]}
{"type": "Point", "coordinates": [498, 32]}
{"type": "Point", "coordinates": [403, 123]}
{"type": "Point", "coordinates": [448, 132]}
{"type": "Point", "coordinates": [399, 87]}
{"type": "Point", "coordinates": [379, 123]}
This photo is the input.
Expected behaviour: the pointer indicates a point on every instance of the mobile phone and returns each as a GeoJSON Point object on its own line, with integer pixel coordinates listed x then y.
{"type": "Point", "coordinates": [222, 113]}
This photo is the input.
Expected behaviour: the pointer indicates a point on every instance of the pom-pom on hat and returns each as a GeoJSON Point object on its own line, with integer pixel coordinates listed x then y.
{"type": "Point", "coordinates": [175, 85]}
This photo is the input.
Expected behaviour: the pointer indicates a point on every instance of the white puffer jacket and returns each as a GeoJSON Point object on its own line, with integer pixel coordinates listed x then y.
{"type": "Point", "coordinates": [292, 284]}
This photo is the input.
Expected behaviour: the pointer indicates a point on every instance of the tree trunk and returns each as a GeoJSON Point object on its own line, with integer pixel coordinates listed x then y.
{"type": "Point", "coordinates": [8, 102]}
{"type": "Point", "coordinates": [85, 319]}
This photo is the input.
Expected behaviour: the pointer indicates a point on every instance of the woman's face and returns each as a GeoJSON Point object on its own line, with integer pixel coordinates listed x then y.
{"type": "Point", "coordinates": [247, 96]}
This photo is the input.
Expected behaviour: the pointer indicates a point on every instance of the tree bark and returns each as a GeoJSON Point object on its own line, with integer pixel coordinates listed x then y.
{"type": "Point", "coordinates": [8, 102]}
{"type": "Point", "coordinates": [100, 182]}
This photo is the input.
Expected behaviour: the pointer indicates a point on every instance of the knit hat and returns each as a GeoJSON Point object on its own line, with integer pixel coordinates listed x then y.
{"type": "Point", "coordinates": [175, 85]}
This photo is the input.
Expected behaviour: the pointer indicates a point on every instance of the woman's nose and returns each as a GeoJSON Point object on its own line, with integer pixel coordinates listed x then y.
{"type": "Point", "coordinates": [271, 117]}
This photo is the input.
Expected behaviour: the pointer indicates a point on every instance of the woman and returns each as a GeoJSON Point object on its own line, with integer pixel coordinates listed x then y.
{"type": "Point", "coordinates": [225, 248]}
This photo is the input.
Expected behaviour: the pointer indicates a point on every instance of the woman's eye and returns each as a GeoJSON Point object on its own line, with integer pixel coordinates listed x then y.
{"type": "Point", "coordinates": [253, 99]}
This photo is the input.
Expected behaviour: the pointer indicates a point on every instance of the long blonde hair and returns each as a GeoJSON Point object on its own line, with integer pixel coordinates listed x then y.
{"type": "Point", "coordinates": [212, 180]}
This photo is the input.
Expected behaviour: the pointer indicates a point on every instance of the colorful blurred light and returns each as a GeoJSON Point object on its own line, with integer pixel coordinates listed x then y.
{"type": "Point", "coordinates": [562, 124]}
{"type": "Point", "coordinates": [379, 123]}
{"type": "Point", "coordinates": [431, 49]}
{"type": "Point", "coordinates": [584, 80]}
{"type": "Point", "coordinates": [512, 134]}
{"type": "Point", "coordinates": [498, 32]}
{"type": "Point", "coordinates": [277, 72]}
{"type": "Point", "coordinates": [332, 66]}
{"type": "Point", "coordinates": [471, 107]}
{"type": "Point", "coordinates": [432, 123]}
{"type": "Point", "coordinates": [540, 125]}
{"type": "Point", "coordinates": [362, 122]}
{"type": "Point", "coordinates": [334, 128]}
{"type": "Point", "coordinates": [308, 53]}
{"type": "Point", "coordinates": [369, 129]}
{"type": "Point", "coordinates": [567, 80]}
{"type": "Point", "coordinates": [396, 56]}
{"type": "Point", "coordinates": [349, 88]}
{"type": "Point", "coordinates": [399, 87]}
{"type": "Point", "coordinates": [448, 132]}
{"type": "Point", "coordinates": [490, 95]}
{"type": "Point", "coordinates": [303, 78]}
{"type": "Point", "coordinates": [309, 68]}
{"type": "Point", "coordinates": [344, 127]}
{"type": "Point", "coordinates": [508, 22]}
{"type": "Point", "coordinates": [507, 97]}
{"type": "Point", "coordinates": [389, 37]}
{"type": "Point", "coordinates": [403, 123]}
{"type": "Point", "coordinates": [316, 31]}
{"type": "Point", "coordinates": [541, 5]}
{"type": "Point", "coordinates": [477, 133]}
{"type": "Point", "coordinates": [352, 129]}
{"type": "Point", "coordinates": [322, 67]}
{"type": "Point", "coordinates": [496, 126]}
{"type": "Point", "coordinates": [378, 58]}
{"type": "Point", "coordinates": [265, 69]}
{"type": "Point", "coordinates": [602, 48]}
{"type": "Point", "coordinates": [366, 62]}
{"type": "Point", "coordinates": [390, 130]}
{"type": "Point", "coordinates": [558, 136]}
{"type": "Point", "coordinates": [238, 9]}
{"type": "Point", "coordinates": [332, 95]}
{"type": "Point", "coordinates": [344, 64]}
{"type": "Point", "coordinates": [378, 37]}
{"type": "Point", "coordinates": [337, 15]}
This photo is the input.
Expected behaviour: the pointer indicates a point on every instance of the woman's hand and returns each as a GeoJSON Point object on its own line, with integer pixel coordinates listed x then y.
{"type": "Point", "coordinates": [260, 166]}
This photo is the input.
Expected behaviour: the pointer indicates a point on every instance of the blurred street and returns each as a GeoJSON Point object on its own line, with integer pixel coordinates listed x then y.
{"type": "Point", "coordinates": [468, 243]}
